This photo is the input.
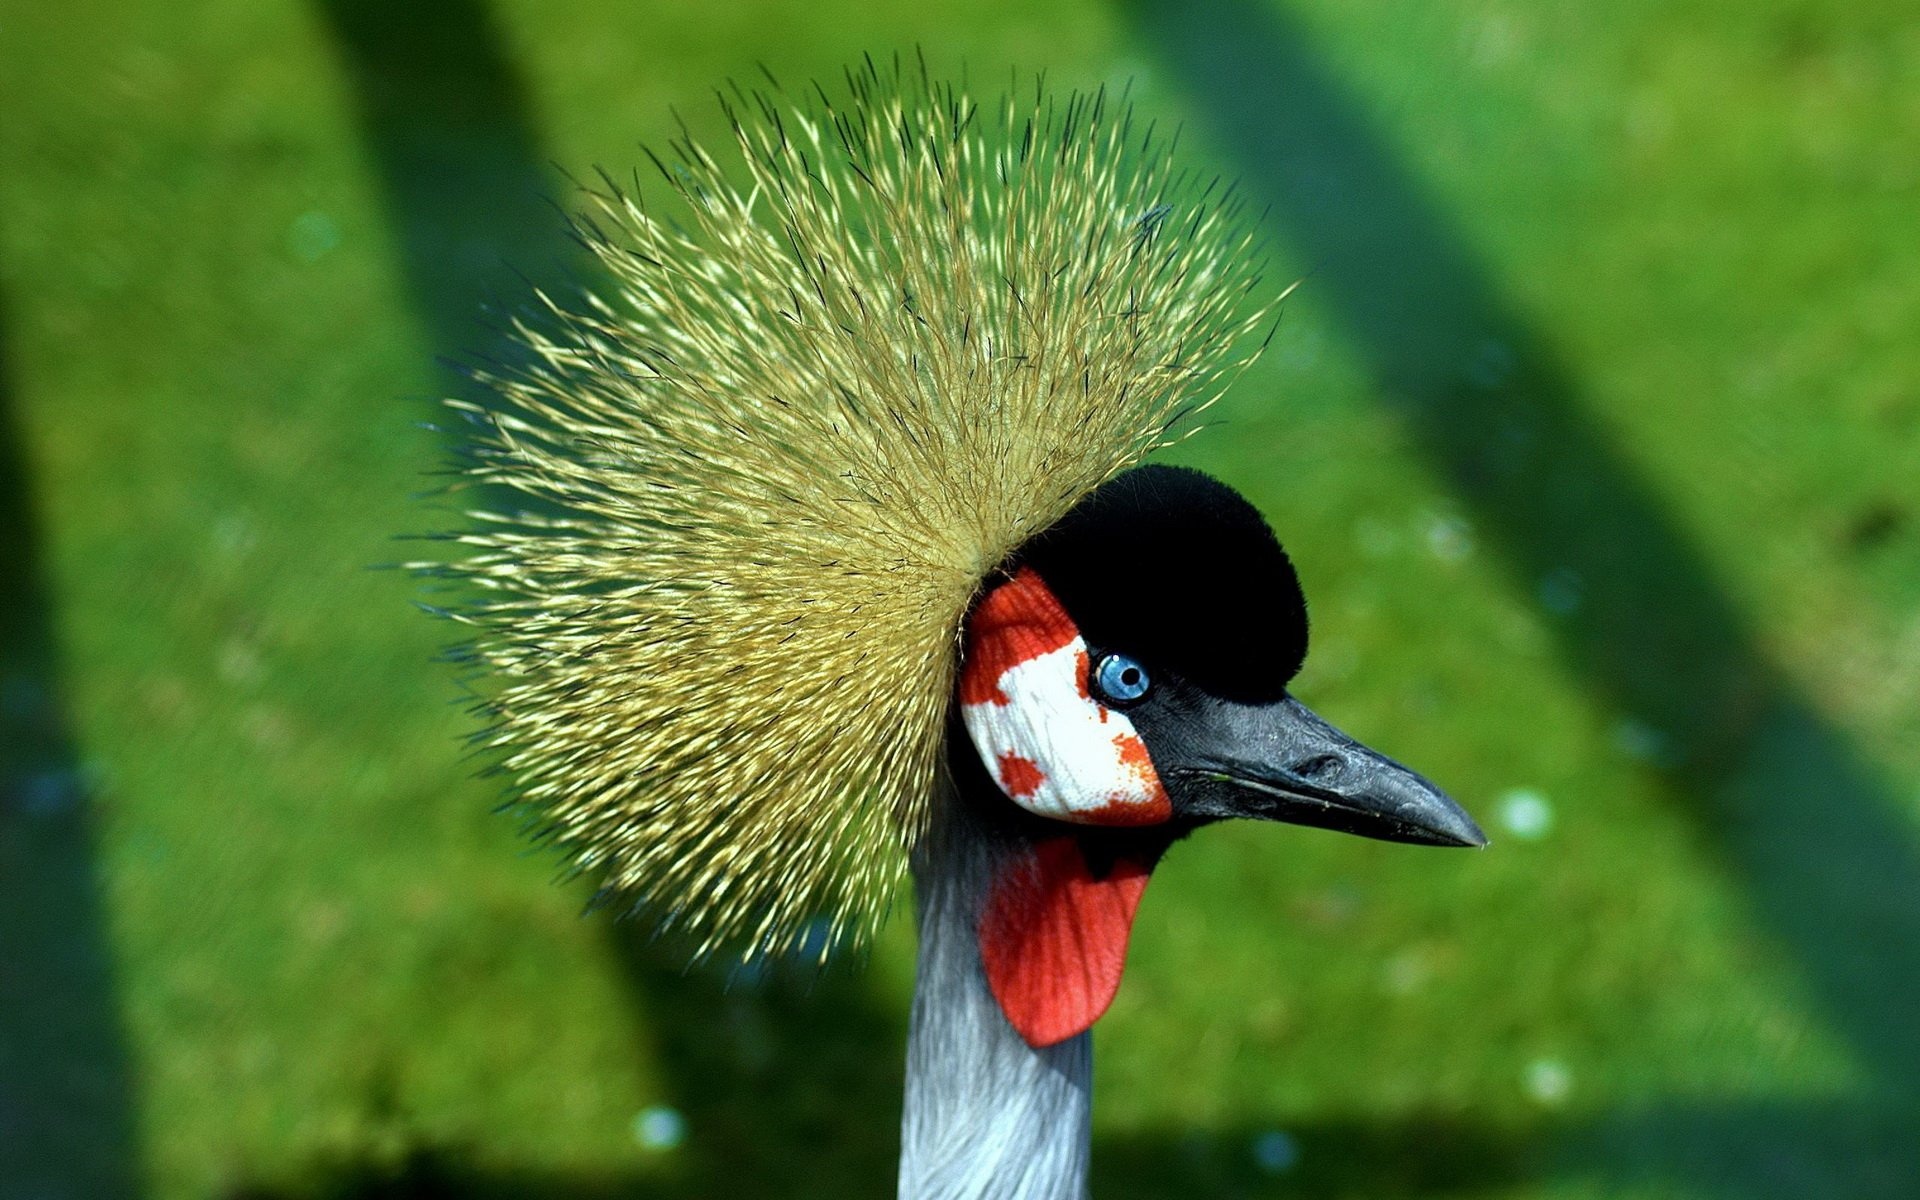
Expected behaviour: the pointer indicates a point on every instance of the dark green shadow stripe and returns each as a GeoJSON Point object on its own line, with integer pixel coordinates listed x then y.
{"type": "Point", "coordinates": [67, 1126]}
{"type": "Point", "coordinates": [1808, 827]}
{"type": "Point", "coordinates": [1421, 1155]}
{"type": "Point", "coordinates": [446, 116]}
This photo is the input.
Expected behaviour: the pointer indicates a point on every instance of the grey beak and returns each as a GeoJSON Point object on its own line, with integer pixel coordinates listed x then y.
{"type": "Point", "coordinates": [1280, 762]}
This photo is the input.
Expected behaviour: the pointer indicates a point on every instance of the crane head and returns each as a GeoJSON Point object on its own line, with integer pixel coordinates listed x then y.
{"type": "Point", "coordinates": [1125, 682]}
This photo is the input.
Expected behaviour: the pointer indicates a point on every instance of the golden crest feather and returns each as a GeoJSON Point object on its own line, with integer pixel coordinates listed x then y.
{"type": "Point", "coordinates": [761, 473]}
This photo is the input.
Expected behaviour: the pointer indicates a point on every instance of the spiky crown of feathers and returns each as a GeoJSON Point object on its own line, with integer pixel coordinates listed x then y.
{"type": "Point", "coordinates": [758, 476]}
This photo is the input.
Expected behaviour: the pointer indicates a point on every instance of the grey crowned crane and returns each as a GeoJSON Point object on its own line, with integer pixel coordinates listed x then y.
{"type": "Point", "coordinates": [834, 563]}
{"type": "Point", "coordinates": [1110, 706]}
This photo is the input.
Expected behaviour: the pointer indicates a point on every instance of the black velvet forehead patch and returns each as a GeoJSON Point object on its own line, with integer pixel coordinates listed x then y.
{"type": "Point", "coordinates": [1175, 568]}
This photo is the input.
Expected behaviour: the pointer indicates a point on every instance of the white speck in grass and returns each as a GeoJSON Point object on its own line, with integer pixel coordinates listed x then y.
{"type": "Point", "coordinates": [659, 1127]}
{"type": "Point", "coordinates": [240, 662]}
{"type": "Point", "coordinates": [1449, 539]}
{"type": "Point", "coordinates": [22, 698]}
{"type": "Point", "coordinates": [51, 793]}
{"type": "Point", "coordinates": [1525, 814]}
{"type": "Point", "coordinates": [1130, 73]}
{"type": "Point", "coordinates": [1547, 1081]}
{"type": "Point", "coordinates": [1338, 663]}
{"type": "Point", "coordinates": [1492, 364]}
{"type": "Point", "coordinates": [1275, 1152]}
{"type": "Point", "coordinates": [312, 236]}
{"type": "Point", "coordinates": [1642, 742]}
{"type": "Point", "coordinates": [234, 534]}
{"type": "Point", "coordinates": [1407, 973]}
{"type": "Point", "coordinates": [1375, 538]}
{"type": "Point", "coordinates": [1303, 350]}
{"type": "Point", "coordinates": [1492, 42]}
{"type": "Point", "coordinates": [1561, 592]}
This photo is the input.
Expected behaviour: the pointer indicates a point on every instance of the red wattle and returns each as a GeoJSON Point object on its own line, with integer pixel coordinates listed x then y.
{"type": "Point", "coordinates": [1053, 938]}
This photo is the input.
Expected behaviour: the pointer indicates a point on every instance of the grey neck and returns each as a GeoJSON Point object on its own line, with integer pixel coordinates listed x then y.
{"type": "Point", "coordinates": [986, 1114]}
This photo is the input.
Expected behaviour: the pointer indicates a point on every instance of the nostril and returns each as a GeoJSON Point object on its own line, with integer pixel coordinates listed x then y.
{"type": "Point", "coordinates": [1317, 766]}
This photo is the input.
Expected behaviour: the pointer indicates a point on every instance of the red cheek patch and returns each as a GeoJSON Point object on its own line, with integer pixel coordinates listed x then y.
{"type": "Point", "coordinates": [1020, 776]}
{"type": "Point", "coordinates": [1125, 813]}
{"type": "Point", "coordinates": [1028, 703]}
{"type": "Point", "coordinates": [1017, 622]}
{"type": "Point", "coordinates": [1053, 938]}
{"type": "Point", "coordinates": [1138, 763]}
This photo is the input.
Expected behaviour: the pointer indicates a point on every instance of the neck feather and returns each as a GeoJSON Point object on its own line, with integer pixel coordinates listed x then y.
{"type": "Point", "coordinates": [987, 1116]}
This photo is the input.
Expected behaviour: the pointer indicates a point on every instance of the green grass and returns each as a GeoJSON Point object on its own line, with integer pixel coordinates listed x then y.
{"type": "Point", "coordinates": [1593, 430]}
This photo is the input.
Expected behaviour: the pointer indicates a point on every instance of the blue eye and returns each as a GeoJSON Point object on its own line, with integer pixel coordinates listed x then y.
{"type": "Point", "coordinates": [1120, 679]}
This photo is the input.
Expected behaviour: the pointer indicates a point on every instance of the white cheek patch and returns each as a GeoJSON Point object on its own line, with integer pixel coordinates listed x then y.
{"type": "Point", "coordinates": [1024, 698]}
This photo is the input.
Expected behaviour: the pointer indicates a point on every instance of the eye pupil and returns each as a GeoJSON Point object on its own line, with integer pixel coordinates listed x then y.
{"type": "Point", "coordinates": [1120, 679]}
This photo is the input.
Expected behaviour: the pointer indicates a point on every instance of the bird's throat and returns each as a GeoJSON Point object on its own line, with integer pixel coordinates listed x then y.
{"type": "Point", "coordinates": [1053, 935]}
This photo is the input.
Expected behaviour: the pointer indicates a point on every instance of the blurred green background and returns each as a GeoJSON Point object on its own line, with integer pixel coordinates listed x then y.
{"type": "Point", "coordinates": [1594, 428]}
